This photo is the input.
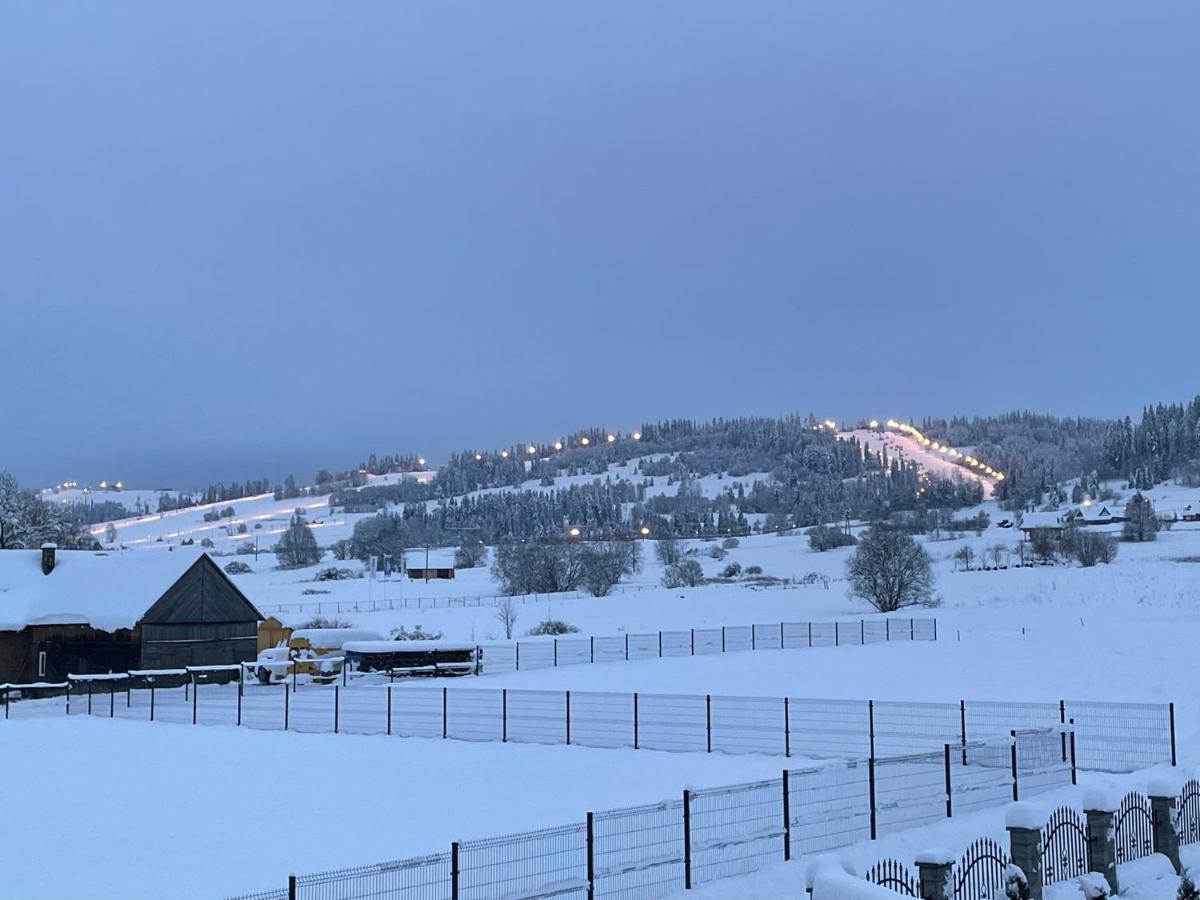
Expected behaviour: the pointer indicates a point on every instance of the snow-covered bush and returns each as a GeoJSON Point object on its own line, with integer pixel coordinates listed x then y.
{"type": "Point", "coordinates": [717, 553]}
{"type": "Point", "coordinates": [416, 634]}
{"type": "Point", "coordinates": [322, 622]}
{"type": "Point", "coordinates": [333, 573]}
{"type": "Point", "coordinates": [1092, 548]}
{"type": "Point", "coordinates": [753, 570]}
{"type": "Point", "coordinates": [684, 574]}
{"type": "Point", "coordinates": [297, 546]}
{"type": "Point", "coordinates": [1187, 888]}
{"type": "Point", "coordinates": [237, 568]}
{"type": "Point", "coordinates": [733, 570]}
{"type": "Point", "coordinates": [826, 537]}
{"type": "Point", "coordinates": [551, 627]}
{"type": "Point", "coordinates": [1094, 886]}
{"type": "Point", "coordinates": [470, 555]}
{"type": "Point", "coordinates": [731, 543]}
{"type": "Point", "coordinates": [1016, 885]}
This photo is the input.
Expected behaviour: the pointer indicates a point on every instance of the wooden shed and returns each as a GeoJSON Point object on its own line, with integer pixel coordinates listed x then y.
{"type": "Point", "coordinates": [201, 619]}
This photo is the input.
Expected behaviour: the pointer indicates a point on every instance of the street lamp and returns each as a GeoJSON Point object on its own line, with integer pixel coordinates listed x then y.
{"type": "Point", "coordinates": [574, 532]}
{"type": "Point", "coordinates": [644, 531]}
{"type": "Point", "coordinates": [531, 449]}
{"type": "Point", "coordinates": [585, 441]}
{"type": "Point", "coordinates": [558, 445]}
{"type": "Point", "coordinates": [637, 435]}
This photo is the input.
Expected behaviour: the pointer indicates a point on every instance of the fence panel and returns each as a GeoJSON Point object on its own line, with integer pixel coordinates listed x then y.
{"type": "Point", "coordinates": [474, 715]}
{"type": "Point", "coordinates": [551, 862]}
{"type": "Point", "coordinates": [676, 643]}
{"type": "Point", "coordinates": [537, 717]}
{"type": "Point", "coordinates": [535, 655]}
{"type": "Point", "coordinates": [1121, 737]}
{"type": "Point", "coordinates": [364, 710]}
{"type": "Point", "coordinates": [643, 646]}
{"type": "Point", "coordinates": [909, 791]}
{"type": "Point", "coordinates": [638, 852]}
{"type": "Point", "coordinates": [923, 629]}
{"type": "Point", "coordinates": [672, 722]}
{"type": "Point", "coordinates": [795, 635]}
{"type": "Point", "coordinates": [875, 631]}
{"type": "Point", "coordinates": [767, 637]}
{"type": "Point", "coordinates": [736, 829]}
{"type": "Point", "coordinates": [262, 706]}
{"type": "Point", "coordinates": [748, 725]}
{"type": "Point", "coordinates": [420, 878]}
{"type": "Point", "coordinates": [828, 727]}
{"type": "Point", "coordinates": [1133, 828]}
{"type": "Point", "coordinates": [848, 632]}
{"type": "Point", "coordinates": [601, 719]}
{"type": "Point", "coordinates": [608, 649]}
{"type": "Point", "coordinates": [1064, 846]}
{"type": "Point", "coordinates": [572, 651]}
{"type": "Point", "coordinates": [417, 712]}
{"type": "Point", "coordinates": [824, 634]}
{"type": "Point", "coordinates": [738, 638]}
{"type": "Point", "coordinates": [1043, 761]}
{"type": "Point", "coordinates": [989, 719]}
{"type": "Point", "coordinates": [311, 709]}
{"type": "Point", "coordinates": [981, 775]}
{"type": "Point", "coordinates": [706, 640]}
{"type": "Point", "coordinates": [499, 658]}
{"type": "Point", "coordinates": [902, 728]}
{"type": "Point", "coordinates": [1187, 812]}
{"type": "Point", "coordinates": [829, 807]}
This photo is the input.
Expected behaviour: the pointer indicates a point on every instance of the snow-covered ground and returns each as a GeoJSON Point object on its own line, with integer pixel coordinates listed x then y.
{"type": "Point", "coordinates": [291, 802]}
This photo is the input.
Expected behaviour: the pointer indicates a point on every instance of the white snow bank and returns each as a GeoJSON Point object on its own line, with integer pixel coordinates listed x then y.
{"type": "Point", "coordinates": [826, 861]}
{"type": "Point", "coordinates": [1024, 815]}
{"type": "Point", "coordinates": [334, 638]}
{"type": "Point", "coordinates": [936, 856]}
{"type": "Point", "coordinates": [831, 883]}
{"type": "Point", "coordinates": [1094, 885]}
{"type": "Point", "coordinates": [1101, 799]}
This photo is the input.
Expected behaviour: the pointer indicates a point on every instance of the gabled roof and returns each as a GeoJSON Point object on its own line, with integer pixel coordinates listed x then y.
{"type": "Point", "coordinates": [202, 594]}
{"type": "Point", "coordinates": [1041, 520]}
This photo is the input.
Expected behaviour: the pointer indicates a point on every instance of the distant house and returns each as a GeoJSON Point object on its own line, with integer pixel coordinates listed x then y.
{"type": "Point", "coordinates": [81, 612]}
{"type": "Point", "coordinates": [430, 573]}
{"type": "Point", "coordinates": [1099, 514]}
{"type": "Point", "coordinates": [1043, 521]}
{"type": "Point", "coordinates": [202, 619]}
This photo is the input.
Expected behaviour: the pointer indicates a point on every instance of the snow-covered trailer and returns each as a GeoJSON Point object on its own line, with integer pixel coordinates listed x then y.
{"type": "Point", "coordinates": [432, 658]}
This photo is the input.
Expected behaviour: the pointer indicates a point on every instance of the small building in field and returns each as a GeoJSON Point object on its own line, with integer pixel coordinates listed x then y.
{"type": "Point", "coordinates": [430, 572]}
{"type": "Point", "coordinates": [1042, 521]}
{"type": "Point", "coordinates": [1099, 514]}
{"type": "Point", "coordinates": [202, 619]}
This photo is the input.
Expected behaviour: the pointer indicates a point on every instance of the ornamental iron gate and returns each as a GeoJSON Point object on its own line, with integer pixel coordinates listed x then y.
{"type": "Point", "coordinates": [1133, 830]}
{"type": "Point", "coordinates": [1187, 813]}
{"type": "Point", "coordinates": [979, 875]}
{"type": "Point", "coordinates": [893, 874]}
{"type": "Point", "coordinates": [1064, 846]}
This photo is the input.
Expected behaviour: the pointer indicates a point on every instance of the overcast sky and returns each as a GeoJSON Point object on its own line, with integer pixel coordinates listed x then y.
{"type": "Point", "coordinates": [243, 239]}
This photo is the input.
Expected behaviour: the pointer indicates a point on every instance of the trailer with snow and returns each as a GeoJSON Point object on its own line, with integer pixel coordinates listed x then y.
{"type": "Point", "coordinates": [429, 658]}
{"type": "Point", "coordinates": [315, 652]}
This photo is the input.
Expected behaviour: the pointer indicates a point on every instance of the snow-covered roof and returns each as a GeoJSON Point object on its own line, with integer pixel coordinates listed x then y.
{"type": "Point", "coordinates": [334, 638]}
{"type": "Point", "coordinates": [403, 646]}
{"type": "Point", "coordinates": [1099, 512]}
{"type": "Point", "coordinates": [107, 590]}
{"type": "Point", "coordinates": [1052, 519]}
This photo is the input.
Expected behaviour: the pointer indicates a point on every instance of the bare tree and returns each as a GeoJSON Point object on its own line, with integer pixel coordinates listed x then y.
{"type": "Point", "coordinates": [506, 615]}
{"type": "Point", "coordinates": [470, 555]}
{"type": "Point", "coordinates": [687, 573]}
{"type": "Point", "coordinates": [110, 533]}
{"type": "Point", "coordinates": [604, 565]}
{"type": "Point", "coordinates": [1092, 548]}
{"type": "Point", "coordinates": [890, 570]}
{"type": "Point", "coordinates": [669, 551]}
{"type": "Point", "coordinates": [965, 555]}
{"type": "Point", "coordinates": [999, 554]}
{"type": "Point", "coordinates": [297, 546]}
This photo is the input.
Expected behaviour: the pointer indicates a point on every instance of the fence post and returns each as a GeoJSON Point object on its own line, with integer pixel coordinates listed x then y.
{"type": "Point", "coordinates": [871, 726]}
{"type": "Point", "coordinates": [787, 729]}
{"type": "Point", "coordinates": [128, 699]}
{"type": "Point", "coordinates": [592, 649]}
{"type": "Point", "coordinates": [862, 631]}
{"type": "Point", "coordinates": [1102, 851]}
{"type": "Point", "coordinates": [151, 703]}
{"type": "Point", "coordinates": [591, 858]}
{"type": "Point", "coordinates": [7, 691]}
{"type": "Point", "coordinates": [912, 629]}
{"type": "Point", "coordinates": [1162, 821]}
{"type": "Point", "coordinates": [112, 703]}
{"type": "Point", "coordinates": [503, 715]}
{"type": "Point", "coordinates": [336, 704]}
{"type": "Point", "coordinates": [962, 726]}
{"type": "Point", "coordinates": [787, 818]}
{"type": "Point", "coordinates": [239, 711]}
{"type": "Point", "coordinates": [660, 645]}
{"type": "Point", "coordinates": [445, 712]}
{"type": "Point", "coordinates": [556, 651]}
{"type": "Point", "coordinates": [519, 655]}
{"type": "Point", "coordinates": [291, 887]}
{"type": "Point", "coordinates": [949, 786]}
{"type": "Point", "coordinates": [627, 647]}
{"type": "Point", "coordinates": [286, 704]}
{"type": "Point", "coordinates": [1012, 750]}
{"type": "Point", "coordinates": [871, 793]}
{"type": "Point", "coordinates": [1074, 772]}
{"type": "Point", "coordinates": [1171, 712]}
{"type": "Point", "coordinates": [887, 629]}
{"type": "Point", "coordinates": [837, 634]}
{"type": "Point", "coordinates": [89, 684]}
{"type": "Point", "coordinates": [454, 870]}
{"type": "Point", "coordinates": [693, 642]}
{"type": "Point", "coordinates": [195, 694]}
{"type": "Point", "coordinates": [68, 699]}
{"type": "Point", "coordinates": [722, 638]}
{"type": "Point", "coordinates": [687, 839]}
{"type": "Point", "coordinates": [568, 696]}
{"type": "Point", "coordinates": [389, 709]}
{"type": "Point", "coordinates": [753, 638]}
{"type": "Point", "coordinates": [810, 634]}
{"type": "Point", "coordinates": [708, 721]}
{"type": "Point", "coordinates": [1062, 721]}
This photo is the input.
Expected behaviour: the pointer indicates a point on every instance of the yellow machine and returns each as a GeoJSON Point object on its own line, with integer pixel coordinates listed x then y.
{"type": "Point", "coordinates": [312, 652]}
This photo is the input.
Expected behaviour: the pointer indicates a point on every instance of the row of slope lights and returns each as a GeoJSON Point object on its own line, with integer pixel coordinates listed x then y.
{"type": "Point", "coordinates": [584, 441]}
{"type": "Point", "coordinates": [948, 452]}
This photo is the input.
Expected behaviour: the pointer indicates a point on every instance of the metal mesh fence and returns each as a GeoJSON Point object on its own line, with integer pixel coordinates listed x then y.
{"type": "Point", "coordinates": [767, 637]}
{"type": "Point", "coordinates": [676, 643]}
{"type": "Point", "coordinates": [829, 727]}
{"type": "Point", "coordinates": [909, 791]}
{"type": "Point", "coordinates": [824, 634]}
{"type": "Point", "coordinates": [829, 807]}
{"type": "Point", "coordinates": [547, 863]}
{"type": "Point", "coordinates": [738, 638]}
{"type": "Point", "coordinates": [902, 728]}
{"type": "Point", "coordinates": [735, 829]}
{"type": "Point", "coordinates": [638, 852]}
{"type": "Point", "coordinates": [536, 717]}
{"type": "Point", "coordinates": [747, 725]}
{"type": "Point", "coordinates": [1121, 737]}
{"type": "Point", "coordinates": [706, 640]}
{"type": "Point", "coordinates": [421, 878]}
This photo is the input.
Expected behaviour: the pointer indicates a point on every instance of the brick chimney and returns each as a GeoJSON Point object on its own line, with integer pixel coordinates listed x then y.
{"type": "Point", "coordinates": [49, 552]}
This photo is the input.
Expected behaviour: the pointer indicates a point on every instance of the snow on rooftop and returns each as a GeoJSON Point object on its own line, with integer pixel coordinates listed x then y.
{"type": "Point", "coordinates": [107, 590]}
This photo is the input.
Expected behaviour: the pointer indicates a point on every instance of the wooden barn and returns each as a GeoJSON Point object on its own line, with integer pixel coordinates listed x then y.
{"type": "Point", "coordinates": [202, 619]}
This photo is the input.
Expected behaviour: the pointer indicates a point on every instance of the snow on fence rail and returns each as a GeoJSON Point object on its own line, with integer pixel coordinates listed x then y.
{"type": "Point", "coordinates": [1114, 737]}
{"type": "Point", "coordinates": [545, 654]}
{"type": "Point", "coordinates": [651, 851]}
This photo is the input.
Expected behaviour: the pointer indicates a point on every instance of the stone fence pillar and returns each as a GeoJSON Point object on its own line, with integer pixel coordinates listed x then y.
{"type": "Point", "coordinates": [1162, 817]}
{"type": "Point", "coordinates": [1101, 840]}
{"type": "Point", "coordinates": [933, 869]}
{"type": "Point", "coordinates": [1024, 823]}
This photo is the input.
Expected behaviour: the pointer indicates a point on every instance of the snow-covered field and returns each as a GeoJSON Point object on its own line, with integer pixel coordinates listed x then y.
{"type": "Point", "coordinates": [299, 803]}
